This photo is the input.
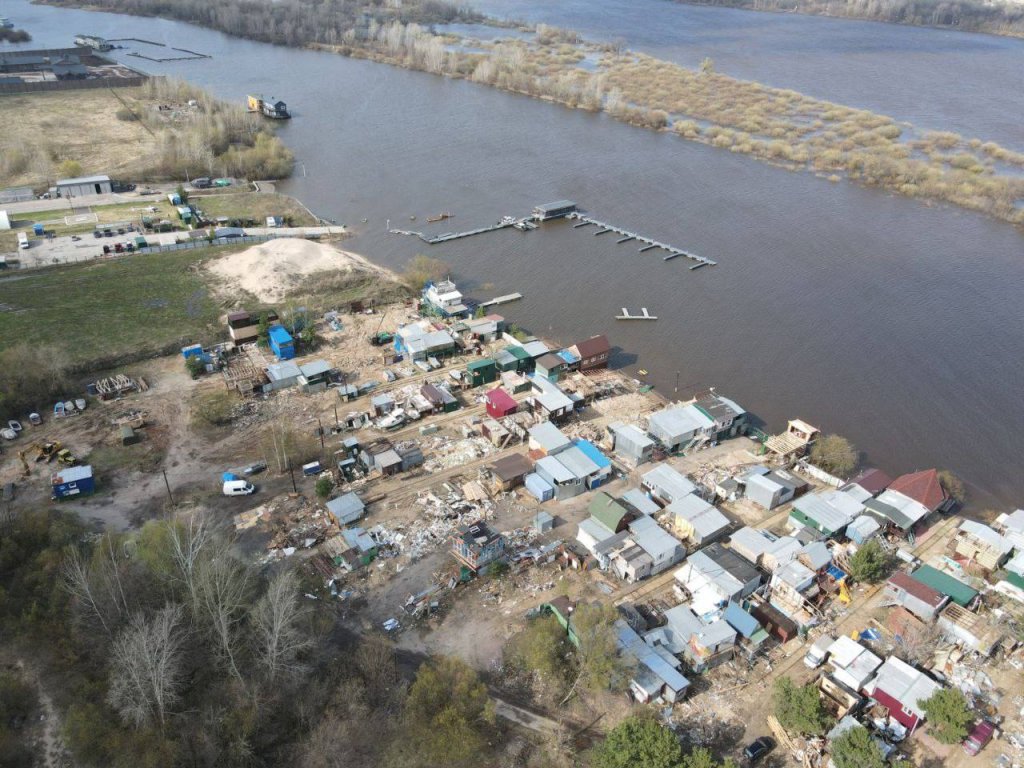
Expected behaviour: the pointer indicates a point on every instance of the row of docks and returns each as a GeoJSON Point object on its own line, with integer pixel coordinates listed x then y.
{"type": "Point", "coordinates": [648, 243]}
{"type": "Point", "coordinates": [565, 209]}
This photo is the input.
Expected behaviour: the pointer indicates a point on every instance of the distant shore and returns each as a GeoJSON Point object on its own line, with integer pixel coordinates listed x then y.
{"type": "Point", "coordinates": [964, 17]}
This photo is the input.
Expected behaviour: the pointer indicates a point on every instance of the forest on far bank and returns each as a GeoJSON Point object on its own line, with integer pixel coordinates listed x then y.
{"type": "Point", "coordinates": [995, 18]}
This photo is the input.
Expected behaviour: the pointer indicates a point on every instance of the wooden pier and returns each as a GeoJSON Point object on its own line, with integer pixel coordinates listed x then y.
{"type": "Point", "coordinates": [644, 315]}
{"type": "Point", "coordinates": [523, 224]}
{"type": "Point", "coordinates": [673, 252]}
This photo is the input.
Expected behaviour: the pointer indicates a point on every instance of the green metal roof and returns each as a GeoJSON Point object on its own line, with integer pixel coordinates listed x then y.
{"type": "Point", "coordinates": [607, 511]}
{"type": "Point", "coordinates": [958, 592]}
{"type": "Point", "coordinates": [478, 364]}
{"type": "Point", "coordinates": [517, 352]}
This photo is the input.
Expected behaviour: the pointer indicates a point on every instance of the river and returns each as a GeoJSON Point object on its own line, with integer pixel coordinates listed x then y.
{"type": "Point", "coordinates": [891, 322]}
{"type": "Point", "coordinates": [932, 78]}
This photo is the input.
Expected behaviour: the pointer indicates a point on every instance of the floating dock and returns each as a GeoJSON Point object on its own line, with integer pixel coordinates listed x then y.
{"type": "Point", "coordinates": [523, 224]}
{"type": "Point", "coordinates": [673, 251]}
{"type": "Point", "coordinates": [644, 315]}
{"type": "Point", "coordinates": [501, 300]}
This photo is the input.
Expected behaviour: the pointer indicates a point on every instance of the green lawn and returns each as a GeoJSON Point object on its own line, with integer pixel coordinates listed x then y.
{"type": "Point", "coordinates": [102, 310]}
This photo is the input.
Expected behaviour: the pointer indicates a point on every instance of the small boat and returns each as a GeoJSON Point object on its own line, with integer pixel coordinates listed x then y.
{"type": "Point", "coordinates": [80, 403]}
{"type": "Point", "coordinates": [35, 419]}
{"type": "Point", "coordinates": [439, 217]}
{"type": "Point", "coordinates": [642, 371]}
{"type": "Point", "coordinates": [58, 411]}
{"type": "Point", "coordinates": [15, 425]}
{"type": "Point", "coordinates": [8, 434]}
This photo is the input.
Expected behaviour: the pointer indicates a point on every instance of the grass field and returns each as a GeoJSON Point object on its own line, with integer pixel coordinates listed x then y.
{"type": "Point", "coordinates": [103, 310]}
{"type": "Point", "coordinates": [256, 205]}
{"type": "Point", "coordinates": [70, 125]}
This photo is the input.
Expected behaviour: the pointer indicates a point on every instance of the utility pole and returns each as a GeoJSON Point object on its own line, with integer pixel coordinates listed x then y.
{"type": "Point", "coordinates": [320, 431]}
{"type": "Point", "coordinates": [170, 496]}
{"type": "Point", "coordinates": [677, 382]}
{"type": "Point", "coordinates": [292, 473]}
{"type": "Point", "coordinates": [336, 422]}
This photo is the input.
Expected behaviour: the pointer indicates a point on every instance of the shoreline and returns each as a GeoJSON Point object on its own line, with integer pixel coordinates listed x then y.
{"type": "Point", "coordinates": [837, 17]}
{"type": "Point", "coordinates": [776, 126]}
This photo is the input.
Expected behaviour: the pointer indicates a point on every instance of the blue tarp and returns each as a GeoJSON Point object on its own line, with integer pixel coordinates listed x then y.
{"type": "Point", "coordinates": [871, 634]}
{"type": "Point", "coordinates": [227, 477]}
{"type": "Point", "coordinates": [836, 573]}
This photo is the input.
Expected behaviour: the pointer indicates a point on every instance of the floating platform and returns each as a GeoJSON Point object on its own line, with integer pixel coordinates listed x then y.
{"type": "Point", "coordinates": [501, 300]}
{"type": "Point", "coordinates": [673, 251]}
{"type": "Point", "coordinates": [644, 315]}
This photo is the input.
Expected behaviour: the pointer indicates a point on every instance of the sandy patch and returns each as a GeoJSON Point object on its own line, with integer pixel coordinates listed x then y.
{"type": "Point", "coordinates": [273, 269]}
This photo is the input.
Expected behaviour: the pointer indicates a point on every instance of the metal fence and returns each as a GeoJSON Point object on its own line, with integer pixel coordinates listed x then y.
{"type": "Point", "coordinates": [190, 245]}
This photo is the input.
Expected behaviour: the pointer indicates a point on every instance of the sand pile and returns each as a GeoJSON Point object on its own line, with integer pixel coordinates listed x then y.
{"type": "Point", "coordinates": [273, 269]}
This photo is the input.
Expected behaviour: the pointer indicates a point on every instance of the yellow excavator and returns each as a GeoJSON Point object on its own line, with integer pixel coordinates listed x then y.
{"type": "Point", "coordinates": [51, 450]}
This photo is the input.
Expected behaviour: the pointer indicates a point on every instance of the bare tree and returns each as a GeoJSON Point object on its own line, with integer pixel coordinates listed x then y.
{"type": "Point", "coordinates": [146, 667]}
{"type": "Point", "coordinates": [75, 578]}
{"type": "Point", "coordinates": [97, 582]}
{"type": "Point", "coordinates": [189, 542]}
{"type": "Point", "coordinates": [222, 586]}
{"type": "Point", "coordinates": [275, 622]}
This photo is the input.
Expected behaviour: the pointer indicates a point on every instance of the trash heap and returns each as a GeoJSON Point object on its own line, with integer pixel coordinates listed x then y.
{"type": "Point", "coordinates": [448, 454]}
{"type": "Point", "coordinates": [444, 510]}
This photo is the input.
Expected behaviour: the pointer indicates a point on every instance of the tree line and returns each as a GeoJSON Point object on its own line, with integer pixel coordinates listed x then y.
{"type": "Point", "coordinates": [161, 647]}
{"type": "Point", "coordinates": [997, 18]}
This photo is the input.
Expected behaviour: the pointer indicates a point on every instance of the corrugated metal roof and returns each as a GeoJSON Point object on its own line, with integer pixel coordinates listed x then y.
{"type": "Point", "coordinates": [959, 593]}
{"type": "Point", "coordinates": [740, 620]}
{"type": "Point", "coordinates": [577, 462]}
{"type": "Point", "coordinates": [555, 469]}
{"type": "Point", "coordinates": [680, 421]}
{"type": "Point", "coordinates": [347, 508]}
{"type": "Point", "coordinates": [907, 685]}
{"type": "Point", "coordinates": [656, 541]}
{"type": "Point", "coordinates": [705, 518]}
{"type": "Point", "coordinates": [918, 589]}
{"type": "Point", "coordinates": [664, 478]}
{"type": "Point", "coordinates": [549, 437]}
{"type": "Point", "coordinates": [751, 543]}
{"type": "Point", "coordinates": [83, 180]}
{"type": "Point", "coordinates": [640, 501]}
{"type": "Point", "coordinates": [631, 642]}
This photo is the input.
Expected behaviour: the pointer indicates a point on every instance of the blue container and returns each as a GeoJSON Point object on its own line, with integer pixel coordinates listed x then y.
{"type": "Point", "coordinates": [38, 229]}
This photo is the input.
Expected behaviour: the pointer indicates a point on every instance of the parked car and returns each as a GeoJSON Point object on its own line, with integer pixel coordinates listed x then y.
{"type": "Point", "coordinates": [757, 749]}
{"type": "Point", "coordinates": [978, 738]}
{"type": "Point", "coordinates": [238, 488]}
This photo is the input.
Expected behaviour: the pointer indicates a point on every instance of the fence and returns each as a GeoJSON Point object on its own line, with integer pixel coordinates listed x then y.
{"type": "Point", "coordinates": [72, 85]}
{"type": "Point", "coordinates": [190, 245]}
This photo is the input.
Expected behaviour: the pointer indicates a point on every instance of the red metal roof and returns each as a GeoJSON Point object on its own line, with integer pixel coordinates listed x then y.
{"type": "Point", "coordinates": [923, 487]}
{"type": "Point", "coordinates": [501, 399]}
{"type": "Point", "coordinates": [874, 481]}
{"type": "Point", "coordinates": [912, 586]}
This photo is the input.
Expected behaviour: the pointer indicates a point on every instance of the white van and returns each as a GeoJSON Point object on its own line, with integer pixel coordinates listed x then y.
{"type": "Point", "coordinates": [22, 240]}
{"type": "Point", "coordinates": [238, 488]}
{"type": "Point", "coordinates": [818, 652]}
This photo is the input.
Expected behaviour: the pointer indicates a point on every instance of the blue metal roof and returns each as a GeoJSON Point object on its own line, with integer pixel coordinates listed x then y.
{"type": "Point", "coordinates": [592, 452]}
{"type": "Point", "coordinates": [740, 620]}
